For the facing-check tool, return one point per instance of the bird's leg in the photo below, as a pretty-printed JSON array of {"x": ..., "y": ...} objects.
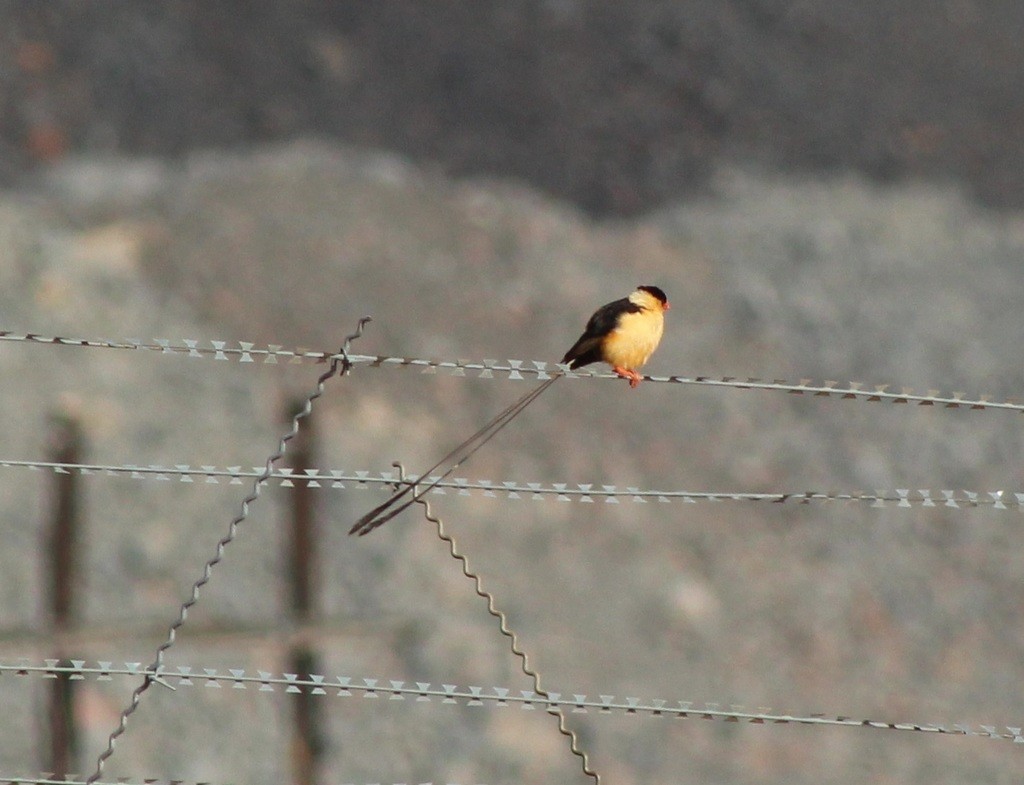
[{"x": 628, "y": 373}]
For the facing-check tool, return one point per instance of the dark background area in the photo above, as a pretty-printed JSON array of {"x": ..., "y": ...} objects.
[{"x": 617, "y": 107}]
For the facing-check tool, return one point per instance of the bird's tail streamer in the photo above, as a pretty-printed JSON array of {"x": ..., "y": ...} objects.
[{"x": 384, "y": 512}]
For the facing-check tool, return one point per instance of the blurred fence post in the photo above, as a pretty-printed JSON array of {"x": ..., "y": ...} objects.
[
  {"x": 308, "y": 742},
  {"x": 65, "y": 445}
]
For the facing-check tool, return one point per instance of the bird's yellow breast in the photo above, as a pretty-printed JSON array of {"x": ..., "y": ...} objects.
[{"x": 634, "y": 340}]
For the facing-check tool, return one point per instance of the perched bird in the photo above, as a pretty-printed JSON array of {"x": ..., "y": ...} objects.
[{"x": 623, "y": 334}]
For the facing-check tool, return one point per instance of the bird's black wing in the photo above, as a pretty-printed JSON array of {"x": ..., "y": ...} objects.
[{"x": 587, "y": 348}]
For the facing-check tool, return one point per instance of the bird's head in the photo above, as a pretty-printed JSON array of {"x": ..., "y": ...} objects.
[{"x": 653, "y": 293}]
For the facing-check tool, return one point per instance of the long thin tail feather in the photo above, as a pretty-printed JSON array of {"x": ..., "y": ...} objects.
[{"x": 383, "y": 513}]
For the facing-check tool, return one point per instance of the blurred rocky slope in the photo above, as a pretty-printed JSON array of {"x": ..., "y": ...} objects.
[
  {"x": 617, "y": 107},
  {"x": 889, "y": 613}
]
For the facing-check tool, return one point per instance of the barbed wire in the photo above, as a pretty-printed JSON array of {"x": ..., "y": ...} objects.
[
  {"x": 151, "y": 676},
  {"x": 555, "y": 703},
  {"x": 475, "y": 696},
  {"x": 251, "y": 352},
  {"x": 517, "y": 490}
]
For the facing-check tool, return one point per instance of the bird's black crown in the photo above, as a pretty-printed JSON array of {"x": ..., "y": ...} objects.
[{"x": 654, "y": 291}]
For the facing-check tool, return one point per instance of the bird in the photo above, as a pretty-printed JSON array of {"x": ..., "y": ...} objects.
[{"x": 623, "y": 333}]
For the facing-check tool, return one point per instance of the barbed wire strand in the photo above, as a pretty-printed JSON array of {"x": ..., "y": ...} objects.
[
  {"x": 524, "y": 658},
  {"x": 249, "y": 352},
  {"x": 474, "y": 696},
  {"x": 515, "y": 370},
  {"x": 327, "y": 479},
  {"x": 152, "y": 675}
]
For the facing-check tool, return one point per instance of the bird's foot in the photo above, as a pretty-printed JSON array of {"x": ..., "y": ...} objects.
[{"x": 628, "y": 373}]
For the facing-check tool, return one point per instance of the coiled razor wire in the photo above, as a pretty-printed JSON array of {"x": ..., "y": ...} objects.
[
  {"x": 151, "y": 675},
  {"x": 250, "y": 352},
  {"x": 451, "y": 694},
  {"x": 537, "y": 491}
]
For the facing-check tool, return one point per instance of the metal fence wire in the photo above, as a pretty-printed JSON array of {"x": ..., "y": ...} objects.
[{"x": 560, "y": 704}]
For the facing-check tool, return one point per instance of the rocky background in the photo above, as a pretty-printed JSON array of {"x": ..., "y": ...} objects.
[
  {"x": 615, "y": 107},
  {"x": 823, "y": 193}
]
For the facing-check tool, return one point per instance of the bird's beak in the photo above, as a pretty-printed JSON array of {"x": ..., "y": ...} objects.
[{"x": 667, "y": 306}]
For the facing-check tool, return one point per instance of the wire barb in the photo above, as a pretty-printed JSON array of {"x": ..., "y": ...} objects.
[
  {"x": 156, "y": 678},
  {"x": 341, "y": 360},
  {"x": 553, "y": 707}
]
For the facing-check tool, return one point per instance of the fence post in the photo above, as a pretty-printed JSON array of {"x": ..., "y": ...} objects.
[
  {"x": 65, "y": 445},
  {"x": 308, "y": 742}
]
